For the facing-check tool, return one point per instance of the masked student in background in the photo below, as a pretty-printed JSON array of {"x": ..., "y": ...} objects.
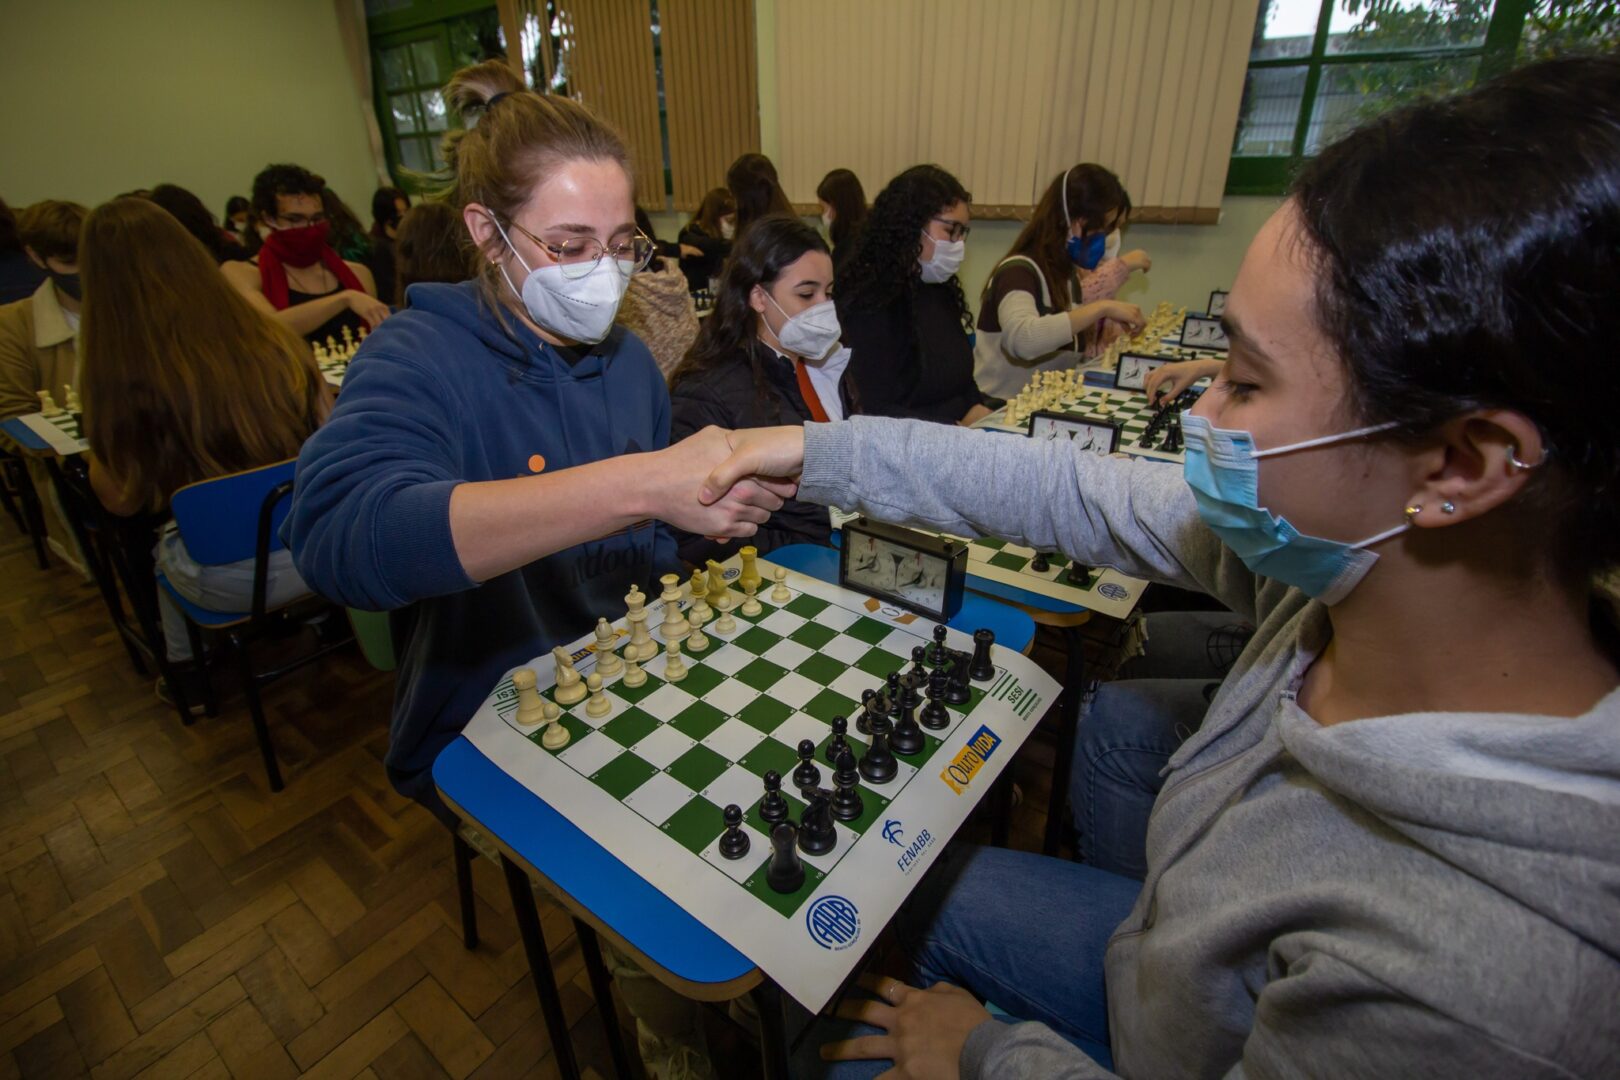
[
  {"x": 296, "y": 276},
  {"x": 768, "y": 354}
]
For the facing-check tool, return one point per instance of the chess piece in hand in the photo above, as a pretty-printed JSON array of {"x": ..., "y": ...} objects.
[{"x": 1164, "y": 384}]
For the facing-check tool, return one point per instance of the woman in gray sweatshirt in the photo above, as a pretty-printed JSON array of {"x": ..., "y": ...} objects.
[{"x": 1393, "y": 847}]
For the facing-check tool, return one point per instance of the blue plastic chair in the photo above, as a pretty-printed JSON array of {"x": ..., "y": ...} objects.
[{"x": 230, "y": 519}]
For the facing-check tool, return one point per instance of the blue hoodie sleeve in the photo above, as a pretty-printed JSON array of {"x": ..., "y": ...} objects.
[{"x": 370, "y": 520}]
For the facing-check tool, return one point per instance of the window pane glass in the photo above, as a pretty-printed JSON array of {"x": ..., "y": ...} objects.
[
  {"x": 426, "y": 55},
  {"x": 416, "y": 154},
  {"x": 432, "y": 110},
  {"x": 404, "y": 116},
  {"x": 1360, "y": 26},
  {"x": 1285, "y": 29},
  {"x": 1352, "y": 93},
  {"x": 396, "y": 67},
  {"x": 1270, "y": 111}
]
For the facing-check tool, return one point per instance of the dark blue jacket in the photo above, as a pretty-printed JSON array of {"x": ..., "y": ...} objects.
[{"x": 441, "y": 395}]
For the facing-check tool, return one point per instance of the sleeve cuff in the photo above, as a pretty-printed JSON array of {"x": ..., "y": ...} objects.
[
  {"x": 829, "y": 462},
  {"x": 981, "y": 1042},
  {"x": 413, "y": 534}
]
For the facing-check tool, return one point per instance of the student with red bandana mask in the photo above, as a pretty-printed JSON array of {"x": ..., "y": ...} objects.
[{"x": 297, "y": 277}]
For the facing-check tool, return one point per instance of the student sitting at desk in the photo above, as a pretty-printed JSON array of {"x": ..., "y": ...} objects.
[{"x": 710, "y": 233}]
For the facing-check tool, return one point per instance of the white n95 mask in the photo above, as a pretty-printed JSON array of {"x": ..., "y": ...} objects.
[
  {"x": 812, "y": 333},
  {"x": 578, "y": 309}
]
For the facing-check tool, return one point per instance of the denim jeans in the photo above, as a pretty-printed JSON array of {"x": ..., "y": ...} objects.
[
  {"x": 227, "y": 587},
  {"x": 1022, "y": 931}
]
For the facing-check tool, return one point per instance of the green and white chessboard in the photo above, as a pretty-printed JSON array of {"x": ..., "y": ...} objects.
[
  {"x": 60, "y": 432},
  {"x": 333, "y": 370},
  {"x": 1128, "y": 409},
  {"x": 649, "y": 780}
]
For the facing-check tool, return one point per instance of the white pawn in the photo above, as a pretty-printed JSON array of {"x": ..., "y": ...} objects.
[
  {"x": 70, "y": 398},
  {"x": 750, "y": 605},
  {"x": 674, "y": 669},
  {"x": 570, "y": 688},
  {"x": 599, "y": 705},
  {"x": 607, "y": 661},
  {"x": 321, "y": 355},
  {"x": 633, "y": 675},
  {"x": 48, "y": 405},
  {"x": 725, "y": 624},
  {"x": 555, "y": 736},
  {"x": 780, "y": 594},
  {"x": 531, "y": 706}
]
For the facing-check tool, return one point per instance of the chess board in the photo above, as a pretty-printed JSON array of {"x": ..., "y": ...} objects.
[
  {"x": 1107, "y": 591},
  {"x": 333, "y": 370},
  {"x": 650, "y": 779},
  {"x": 1128, "y": 409},
  {"x": 60, "y": 432}
]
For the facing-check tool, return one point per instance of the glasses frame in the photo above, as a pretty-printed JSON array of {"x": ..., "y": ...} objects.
[
  {"x": 951, "y": 226},
  {"x": 583, "y": 268}
]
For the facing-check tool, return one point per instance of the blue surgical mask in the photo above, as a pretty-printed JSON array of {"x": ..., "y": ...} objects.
[
  {"x": 1087, "y": 251},
  {"x": 1222, "y": 468}
]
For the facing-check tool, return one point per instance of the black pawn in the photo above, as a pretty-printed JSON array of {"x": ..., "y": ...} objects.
[
  {"x": 838, "y": 744},
  {"x": 936, "y": 652},
  {"x": 816, "y": 833},
  {"x": 908, "y": 737},
  {"x": 919, "y": 656},
  {"x": 733, "y": 842},
  {"x": 1079, "y": 576},
  {"x": 983, "y": 668},
  {"x": 846, "y": 801},
  {"x": 806, "y": 775},
  {"x": 785, "y": 874},
  {"x": 934, "y": 715},
  {"x": 773, "y": 809},
  {"x": 879, "y": 766},
  {"x": 1039, "y": 563},
  {"x": 892, "y": 694},
  {"x": 909, "y": 696},
  {"x": 863, "y": 722}
]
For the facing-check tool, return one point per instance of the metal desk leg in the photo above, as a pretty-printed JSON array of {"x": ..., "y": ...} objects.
[
  {"x": 33, "y": 512},
  {"x": 1074, "y": 689},
  {"x": 602, "y": 989},
  {"x": 772, "y": 1030},
  {"x": 545, "y": 983}
]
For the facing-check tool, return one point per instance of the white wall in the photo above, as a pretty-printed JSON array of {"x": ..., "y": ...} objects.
[{"x": 105, "y": 97}]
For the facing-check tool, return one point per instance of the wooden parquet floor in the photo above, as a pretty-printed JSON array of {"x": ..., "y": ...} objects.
[{"x": 162, "y": 914}]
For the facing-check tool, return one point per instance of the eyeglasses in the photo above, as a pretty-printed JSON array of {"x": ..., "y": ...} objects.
[
  {"x": 298, "y": 221},
  {"x": 954, "y": 230},
  {"x": 579, "y": 255}
]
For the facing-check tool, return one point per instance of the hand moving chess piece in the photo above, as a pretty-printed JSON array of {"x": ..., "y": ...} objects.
[
  {"x": 570, "y": 688},
  {"x": 607, "y": 661}
]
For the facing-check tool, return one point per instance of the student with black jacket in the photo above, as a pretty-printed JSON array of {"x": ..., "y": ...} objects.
[
  {"x": 709, "y": 232},
  {"x": 768, "y": 355}
]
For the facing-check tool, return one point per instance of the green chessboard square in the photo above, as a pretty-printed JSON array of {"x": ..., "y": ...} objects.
[
  {"x": 577, "y": 729},
  {"x": 698, "y": 720},
  {"x": 761, "y": 674},
  {"x": 991, "y": 542},
  {"x": 623, "y": 775},
  {"x": 785, "y": 904},
  {"x": 828, "y": 704},
  {"x": 695, "y": 824},
  {"x": 634, "y": 694},
  {"x": 822, "y": 669},
  {"x": 880, "y": 663},
  {"x": 700, "y": 680},
  {"x": 698, "y": 767},
  {"x": 764, "y": 610},
  {"x": 629, "y": 727},
  {"x": 873, "y": 806},
  {"x": 764, "y": 714},
  {"x": 1008, "y": 561},
  {"x": 795, "y": 807},
  {"x": 869, "y": 630},
  {"x": 976, "y": 694},
  {"x": 757, "y": 640},
  {"x": 1058, "y": 561},
  {"x": 768, "y": 755},
  {"x": 807, "y": 606},
  {"x": 812, "y": 635}
]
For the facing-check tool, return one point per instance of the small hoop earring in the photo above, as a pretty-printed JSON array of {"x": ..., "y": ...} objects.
[
  {"x": 1412, "y": 512},
  {"x": 1524, "y": 466},
  {"x": 1448, "y": 507}
]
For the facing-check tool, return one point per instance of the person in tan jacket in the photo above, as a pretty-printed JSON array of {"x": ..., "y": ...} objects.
[{"x": 37, "y": 335}]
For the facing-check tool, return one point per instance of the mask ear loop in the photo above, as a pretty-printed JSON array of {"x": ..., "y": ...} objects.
[{"x": 507, "y": 240}]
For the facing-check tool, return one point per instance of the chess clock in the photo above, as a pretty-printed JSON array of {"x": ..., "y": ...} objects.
[
  {"x": 1217, "y": 303},
  {"x": 912, "y": 570},
  {"x": 1203, "y": 332},
  {"x": 1094, "y": 436},
  {"x": 1133, "y": 369}
]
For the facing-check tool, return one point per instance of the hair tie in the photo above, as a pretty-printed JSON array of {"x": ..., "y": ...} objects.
[{"x": 490, "y": 104}]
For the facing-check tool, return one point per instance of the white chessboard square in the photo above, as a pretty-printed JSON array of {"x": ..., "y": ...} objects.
[
  {"x": 792, "y": 689},
  {"x": 730, "y": 696},
  {"x": 900, "y": 642},
  {"x": 666, "y": 702},
  {"x": 590, "y": 753},
  {"x": 825, "y": 863},
  {"x": 735, "y": 785},
  {"x": 903, "y": 771},
  {"x": 662, "y": 746},
  {"x": 845, "y": 649},
  {"x": 739, "y": 870},
  {"x": 834, "y": 617},
  {"x": 789, "y": 654},
  {"x": 782, "y": 622},
  {"x": 799, "y": 726},
  {"x": 659, "y": 797},
  {"x": 853, "y": 681},
  {"x": 733, "y": 740},
  {"x": 730, "y": 660}
]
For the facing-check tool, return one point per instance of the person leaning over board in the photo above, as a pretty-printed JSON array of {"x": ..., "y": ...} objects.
[
  {"x": 1393, "y": 847},
  {"x": 1044, "y": 301},
  {"x": 710, "y": 233},
  {"x": 768, "y": 354},
  {"x": 901, "y": 304},
  {"x": 498, "y": 464}
]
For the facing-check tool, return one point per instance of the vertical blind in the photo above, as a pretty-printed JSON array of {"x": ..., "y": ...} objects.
[
  {"x": 1006, "y": 96},
  {"x": 610, "y": 70},
  {"x": 711, "y": 91}
]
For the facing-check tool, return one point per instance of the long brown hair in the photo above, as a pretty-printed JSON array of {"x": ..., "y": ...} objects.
[
  {"x": 715, "y": 205},
  {"x": 753, "y": 183},
  {"x": 1094, "y": 194},
  {"x": 183, "y": 379}
]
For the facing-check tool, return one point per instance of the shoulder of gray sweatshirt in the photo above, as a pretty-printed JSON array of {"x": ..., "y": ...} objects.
[{"x": 1430, "y": 894}]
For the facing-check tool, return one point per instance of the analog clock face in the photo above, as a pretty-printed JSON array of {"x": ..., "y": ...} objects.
[
  {"x": 1092, "y": 438},
  {"x": 1133, "y": 371},
  {"x": 884, "y": 567},
  {"x": 1203, "y": 333}
]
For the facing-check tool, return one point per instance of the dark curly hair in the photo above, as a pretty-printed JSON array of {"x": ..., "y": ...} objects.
[
  {"x": 884, "y": 268},
  {"x": 276, "y": 180}
]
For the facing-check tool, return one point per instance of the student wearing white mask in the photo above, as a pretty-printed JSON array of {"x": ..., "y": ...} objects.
[
  {"x": 902, "y": 307},
  {"x": 1045, "y": 304},
  {"x": 768, "y": 354}
]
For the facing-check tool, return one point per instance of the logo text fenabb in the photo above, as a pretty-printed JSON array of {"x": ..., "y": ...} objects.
[{"x": 967, "y": 763}]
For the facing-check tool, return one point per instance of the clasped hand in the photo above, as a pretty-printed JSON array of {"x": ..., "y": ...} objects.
[{"x": 724, "y": 484}]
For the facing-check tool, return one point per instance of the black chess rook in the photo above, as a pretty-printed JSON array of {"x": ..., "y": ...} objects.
[
  {"x": 983, "y": 668},
  {"x": 785, "y": 874}
]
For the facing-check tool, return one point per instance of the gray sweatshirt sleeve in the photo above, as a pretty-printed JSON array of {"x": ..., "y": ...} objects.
[
  {"x": 995, "y": 1049},
  {"x": 1133, "y": 514}
]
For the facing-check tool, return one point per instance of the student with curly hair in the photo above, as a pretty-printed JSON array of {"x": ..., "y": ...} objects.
[{"x": 902, "y": 307}]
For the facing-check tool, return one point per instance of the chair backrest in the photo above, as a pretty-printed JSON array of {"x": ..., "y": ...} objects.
[{"x": 219, "y": 518}]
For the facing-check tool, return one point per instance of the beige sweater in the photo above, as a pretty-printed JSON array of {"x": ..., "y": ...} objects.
[{"x": 658, "y": 308}]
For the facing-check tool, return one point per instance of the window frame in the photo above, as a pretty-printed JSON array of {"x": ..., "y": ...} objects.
[{"x": 1255, "y": 175}]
